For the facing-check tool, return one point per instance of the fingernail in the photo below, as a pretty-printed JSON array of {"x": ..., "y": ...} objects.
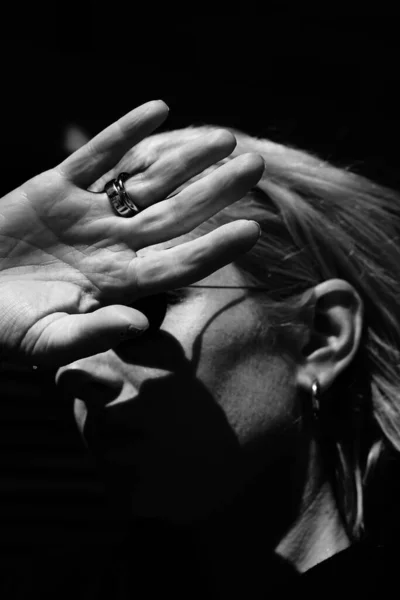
[
  {"x": 132, "y": 332},
  {"x": 259, "y": 228},
  {"x": 163, "y": 101}
]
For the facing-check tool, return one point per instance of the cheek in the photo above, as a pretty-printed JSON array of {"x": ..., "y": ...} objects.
[
  {"x": 266, "y": 396},
  {"x": 256, "y": 390}
]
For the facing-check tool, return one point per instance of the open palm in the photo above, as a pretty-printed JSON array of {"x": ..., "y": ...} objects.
[{"x": 69, "y": 266}]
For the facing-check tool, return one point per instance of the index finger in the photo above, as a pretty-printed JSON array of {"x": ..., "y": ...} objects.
[
  {"x": 106, "y": 149},
  {"x": 190, "y": 261}
]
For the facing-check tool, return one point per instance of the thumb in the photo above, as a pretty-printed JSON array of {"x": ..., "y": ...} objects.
[{"x": 72, "y": 337}]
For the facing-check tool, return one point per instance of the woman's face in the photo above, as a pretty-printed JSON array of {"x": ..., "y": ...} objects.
[{"x": 189, "y": 414}]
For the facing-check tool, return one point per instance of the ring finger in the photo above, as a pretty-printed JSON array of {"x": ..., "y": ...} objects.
[
  {"x": 195, "y": 204},
  {"x": 176, "y": 167}
]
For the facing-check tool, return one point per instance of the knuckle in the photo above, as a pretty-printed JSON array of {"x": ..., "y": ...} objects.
[
  {"x": 138, "y": 188},
  {"x": 91, "y": 149},
  {"x": 176, "y": 213}
]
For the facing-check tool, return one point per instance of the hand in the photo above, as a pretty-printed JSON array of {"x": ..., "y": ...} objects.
[{"x": 68, "y": 264}]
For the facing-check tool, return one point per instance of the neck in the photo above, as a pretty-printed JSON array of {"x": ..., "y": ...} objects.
[
  {"x": 317, "y": 535},
  {"x": 234, "y": 543},
  {"x": 317, "y": 532}
]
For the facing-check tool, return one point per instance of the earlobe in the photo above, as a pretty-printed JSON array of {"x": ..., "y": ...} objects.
[{"x": 335, "y": 334}]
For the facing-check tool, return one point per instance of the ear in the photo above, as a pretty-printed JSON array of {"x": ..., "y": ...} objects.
[{"x": 334, "y": 334}]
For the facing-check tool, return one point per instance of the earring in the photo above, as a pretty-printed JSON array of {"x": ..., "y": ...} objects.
[{"x": 315, "y": 393}]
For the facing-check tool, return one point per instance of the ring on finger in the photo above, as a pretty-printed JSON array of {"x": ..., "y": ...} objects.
[{"x": 120, "y": 200}]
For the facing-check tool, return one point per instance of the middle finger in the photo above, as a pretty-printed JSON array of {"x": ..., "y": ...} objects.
[
  {"x": 177, "y": 166},
  {"x": 195, "y": 204}
]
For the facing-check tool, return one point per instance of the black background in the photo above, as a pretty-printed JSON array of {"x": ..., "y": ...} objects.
[
  {"x": 323, "y": 80},
  {"x": 326, "y": 81}
]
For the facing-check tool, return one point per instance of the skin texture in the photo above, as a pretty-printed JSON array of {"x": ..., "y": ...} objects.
[
  {"x": 68, "y": 264},
  {"x": 192, "y": 400},
  {"x": 200, "y": 422}
]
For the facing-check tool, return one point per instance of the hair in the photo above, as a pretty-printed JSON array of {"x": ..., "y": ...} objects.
[{"x": 320, "y": 222}]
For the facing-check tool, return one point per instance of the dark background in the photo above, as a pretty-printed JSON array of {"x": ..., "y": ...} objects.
[{"x": 325, "y": 81}]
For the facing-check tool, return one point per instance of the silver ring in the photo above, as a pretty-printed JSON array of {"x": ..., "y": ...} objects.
[{"x": 121, "y": 202}]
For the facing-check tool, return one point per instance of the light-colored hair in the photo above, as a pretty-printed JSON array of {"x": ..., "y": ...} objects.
[{"x": 321, "y": 222}]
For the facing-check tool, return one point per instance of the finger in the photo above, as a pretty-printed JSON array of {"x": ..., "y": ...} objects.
[
  {"x": 107, "y": 148},
  {"x": 188, "y": 262},
  {"x": 195, "y": 204},
  {"x": 142, "y": 156},
  {"x": 178, "y": 166},
  {"x": 72, "y": 337}
]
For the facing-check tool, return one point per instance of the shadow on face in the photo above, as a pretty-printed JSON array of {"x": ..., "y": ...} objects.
[
  {"x": 194, "y": 420},
  {"x": 170, "y": 436}
]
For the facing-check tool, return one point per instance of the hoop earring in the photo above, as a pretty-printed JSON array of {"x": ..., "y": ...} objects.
[{"x": 315, "y": 397}]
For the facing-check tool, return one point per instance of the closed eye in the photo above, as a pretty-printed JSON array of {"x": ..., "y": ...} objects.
[
  {"x": 155, "y": 307},
  {"x": 177, "y": 296}
]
